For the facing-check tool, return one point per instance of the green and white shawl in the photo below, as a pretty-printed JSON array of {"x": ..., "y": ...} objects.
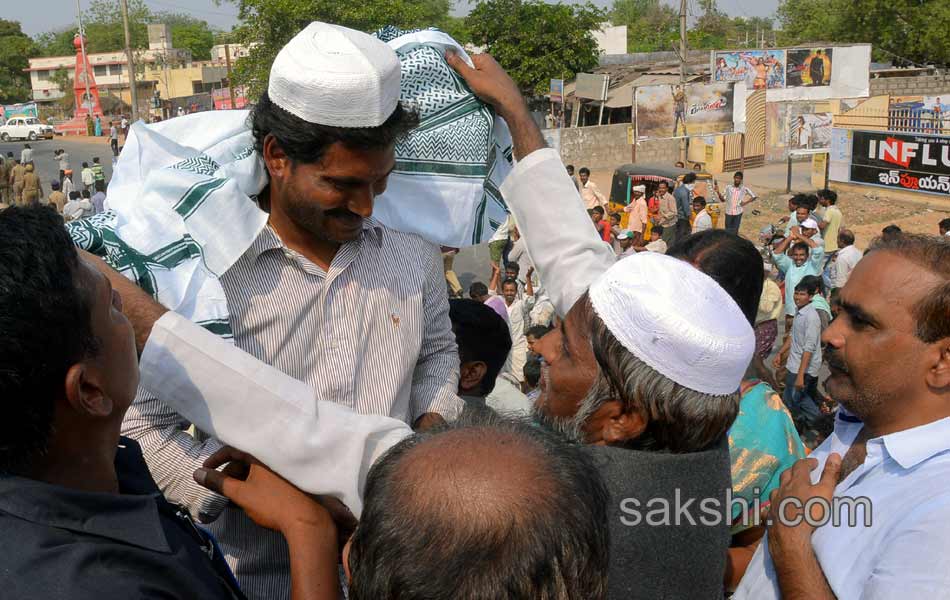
[{"x": 182, "y": 200}]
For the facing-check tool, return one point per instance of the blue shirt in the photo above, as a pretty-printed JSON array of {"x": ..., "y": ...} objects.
[
  {"x": 793, "y": 274},
  {"x": 806, "y": 337},
  {"x": 683, "y": 196}
]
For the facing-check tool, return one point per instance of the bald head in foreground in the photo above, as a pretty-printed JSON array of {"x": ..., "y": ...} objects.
[{"x": 485, "y": 508}]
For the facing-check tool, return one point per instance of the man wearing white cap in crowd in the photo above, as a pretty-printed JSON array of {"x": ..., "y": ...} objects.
[
  {"x": 805, "y": 258},
  {"x": 626, "y": 240},
  {"x": 638, "y": 213},
  {"x": 325, "y": 293}
]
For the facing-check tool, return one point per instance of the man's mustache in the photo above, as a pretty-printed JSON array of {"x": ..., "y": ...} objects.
[{"x": 835, "y": 361}]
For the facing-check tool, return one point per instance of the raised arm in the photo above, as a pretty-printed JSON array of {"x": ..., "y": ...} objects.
[{"x": 560, "y": 237}]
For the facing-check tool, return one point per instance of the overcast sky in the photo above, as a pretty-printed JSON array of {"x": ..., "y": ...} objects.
[{"x": 57, "y": 14}]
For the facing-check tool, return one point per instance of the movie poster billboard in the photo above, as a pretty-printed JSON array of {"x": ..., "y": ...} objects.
[
  {"x": 808, "y": 67},
  {"x": 673, "y": 111},
  {"x": 27, "y": 109},
  {"x": 808, "y": 130},
  {"x": 922, "y": 114},
  {"x": 906, "y": 161},
  {"x": 759, "y": 69}
]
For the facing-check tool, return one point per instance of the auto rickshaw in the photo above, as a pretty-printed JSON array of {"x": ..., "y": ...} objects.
[{"x": 650, "y": 176}]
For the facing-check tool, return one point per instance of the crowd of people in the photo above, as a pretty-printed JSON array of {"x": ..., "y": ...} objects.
[
  {"x": 21, "y": 185},
  {"x": 597, "y": 421}
]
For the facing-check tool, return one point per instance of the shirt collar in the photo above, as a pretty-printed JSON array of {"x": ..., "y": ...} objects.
[
  {"x": 131, "y": 518},
  {"x": 269, "y": 240},
  {"x": 913, "y": 446}
]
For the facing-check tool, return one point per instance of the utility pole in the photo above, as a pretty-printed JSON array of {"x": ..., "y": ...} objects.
[
  {"x": 129, "y": 62},
  {"x": 683, "y": 68},
  {"x": 227, "y": 64}
]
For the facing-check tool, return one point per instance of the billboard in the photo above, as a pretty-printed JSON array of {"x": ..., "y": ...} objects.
[
  {"x": 27, "y": 109},
  {"x": 759, "y": 69},
  {"x": 808, "y": 67},
  {"x": 918, "y": 163},
  {"x": 557, "y": 90},
  {"x": 808, "y": 130},
  {"x": 671, "y": 111},
  {"x": 591, "y": 86}
]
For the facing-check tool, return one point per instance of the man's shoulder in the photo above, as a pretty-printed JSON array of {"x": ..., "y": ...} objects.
[{"x": 402, "y": 241}]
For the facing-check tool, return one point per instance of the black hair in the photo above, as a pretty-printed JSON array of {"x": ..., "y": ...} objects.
[
  {"x": 598, "y": 209},
  {"x": 807, "y": 200},
  {"x": 305, "y": 142},
  {"x": 584, "y": 171},
  {"x": 615, "y": 215},
  {"x": 658, "y": 229},
  {"x": 550, "y": 541},
  {"x": 95, "y": 159},
  {"x": 513, "y": 266},
  {"x": 532, "y": 371},
  {"x": 891, "y": 231},
  {"x": 810, "y": 284},
  {"x": 45, "y": 325},
  {"x": 944, "y": 224},
  {"x": 569, "y": 167},
  {"x": 689, "y": 177},
  {"x": 800, "y": 246},
  {"x": 74, "y": 195},
  {"x": 85, "y": 165},
  {"x": 85, "y": 194},
  {"x": 732, "y": 261},
  {"x": 846, "y": 236},
  {"x": 698, "y": 200},
  {"x": 739, "y": 175},
  {"x": 509, "y": 281},
  {"x": 538, "y": 331},
  {"x": 100, "y": 185},
  {"x": 54, "y": 185},
  {"x": 478, "y": 289},
  {"x": 830, "y": 195},
  {"x": 481, "y": 335},
  {"x": 10, "y": 154}
]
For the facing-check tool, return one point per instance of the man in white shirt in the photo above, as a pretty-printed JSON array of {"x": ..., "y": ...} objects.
[
  {"x": 656, "y": 243},
  {"x": 702, "y": 221},
  {"x": 638, "y": 213},
  {"x": 889, "y": 356},
  {"x": 590, "y": 193},
  {"x": 26, "y": 155},
  {"x": 626, "y": 241},
  {"x": 845, "y": 260},
  {"x": 736, "y": 197}
]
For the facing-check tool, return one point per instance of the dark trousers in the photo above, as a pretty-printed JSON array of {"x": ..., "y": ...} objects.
[
  {"x": 115, "y": 147},
  {"x": 732, "y": 223},
  {"x": 801, "y": 403},
  {"x": 683, "y": 229}
]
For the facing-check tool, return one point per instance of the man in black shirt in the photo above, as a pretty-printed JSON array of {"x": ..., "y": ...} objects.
[{"x": 80, "y": 514}]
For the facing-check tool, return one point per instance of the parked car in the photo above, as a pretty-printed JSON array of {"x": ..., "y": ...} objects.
[{"x": 24, "y": 128}]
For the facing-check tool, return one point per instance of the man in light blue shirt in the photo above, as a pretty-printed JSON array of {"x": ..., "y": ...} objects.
[
  {"x": 805, "y": 258},
  {"x": 804, "y": 357},
  {"x": 889, "y": 355}
]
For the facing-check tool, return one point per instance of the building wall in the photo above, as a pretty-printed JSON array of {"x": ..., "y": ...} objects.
[
  {"x": 611, "y": 40},
  {"x": 181, "y": 79},
  {"x": 606, "y": 147},
  {"x": 930, "y": 85}
]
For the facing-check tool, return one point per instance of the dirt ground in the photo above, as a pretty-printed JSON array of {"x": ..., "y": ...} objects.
[{"x": 864, "y": 213}]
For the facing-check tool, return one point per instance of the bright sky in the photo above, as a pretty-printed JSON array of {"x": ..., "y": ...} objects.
[{"x": 57, "y": 14}]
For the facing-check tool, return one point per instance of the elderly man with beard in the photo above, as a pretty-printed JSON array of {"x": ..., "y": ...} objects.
[{"x": 889, "y": 354}]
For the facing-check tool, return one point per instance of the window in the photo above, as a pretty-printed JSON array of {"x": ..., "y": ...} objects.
[
  {"x": 115, "y": 70},
  {"x": 100, "y": 70},
  {"x": 42, "y": 75}
]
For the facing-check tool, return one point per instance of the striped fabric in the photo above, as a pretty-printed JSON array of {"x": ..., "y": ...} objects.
[{"x": 373, "y": 333}]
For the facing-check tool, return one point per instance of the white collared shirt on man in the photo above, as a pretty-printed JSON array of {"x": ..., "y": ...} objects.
[{"x": 905, "y": 553}]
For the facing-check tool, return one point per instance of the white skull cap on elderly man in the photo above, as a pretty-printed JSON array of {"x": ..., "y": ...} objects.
[
  {"x": 677, "y": 320},
  {"x": 331, "y": 75}
]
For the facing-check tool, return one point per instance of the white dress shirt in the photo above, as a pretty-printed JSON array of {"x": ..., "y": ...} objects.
[
  {"x": 905, "y": 553},
  {"x": 845, "y": 261},
  {"x": 319, "y": 446},
  {"x": 702, "y": 222}
]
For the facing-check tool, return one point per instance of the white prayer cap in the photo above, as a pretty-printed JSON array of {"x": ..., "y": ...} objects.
[
  {"x": 809, "y": 223},
  {"x": 625, "y": 235},
  {"x": 331, "y": 75},
  {"x": 677, "y": 320},
  {"x": 640, "y": 188}
]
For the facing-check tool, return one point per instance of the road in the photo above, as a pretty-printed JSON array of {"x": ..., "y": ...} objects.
[{"x": 80, "y": 149}]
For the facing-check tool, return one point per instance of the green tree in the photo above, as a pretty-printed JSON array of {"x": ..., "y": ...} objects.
[
  {"x": 55, "y": 43},
  {"x": 188, "y": 33},
  {"x": 15, "y": 47},
  {"x": 916, "y": 31},
  {"x": 62, "y": 80},
  {"x": 535, "y": 41},
  {"x": 651, "y": 25},
  {"x": 267, "y": 25}
]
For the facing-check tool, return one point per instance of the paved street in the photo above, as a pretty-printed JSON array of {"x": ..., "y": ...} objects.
[{"x": 80, "y": 149}]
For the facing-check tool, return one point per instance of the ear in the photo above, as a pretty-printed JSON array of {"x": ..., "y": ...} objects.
[
  {"x": 85, "y": 391},
  {"x": 277, "y": 161},
  {"x": 938, "y": 375},
  {"x": 471, "y": 374},
  {"x": 611, "y": 424},
  {"x": 346, "y": 560}
]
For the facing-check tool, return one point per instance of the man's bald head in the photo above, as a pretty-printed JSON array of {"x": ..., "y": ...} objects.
[{"x": 486, "y": 508}]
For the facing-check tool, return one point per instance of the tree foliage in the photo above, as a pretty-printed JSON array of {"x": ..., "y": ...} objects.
[
  {"x": 915, "y": 31},
  {"x": 105, "y": 32},
  {"x": 535, "y": 41},
  {"x": 15, "y": 47},
  {"x": 267, "y": 25}
]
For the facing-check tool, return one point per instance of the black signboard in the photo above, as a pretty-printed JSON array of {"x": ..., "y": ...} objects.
[{"x": 919, "y": 163}]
